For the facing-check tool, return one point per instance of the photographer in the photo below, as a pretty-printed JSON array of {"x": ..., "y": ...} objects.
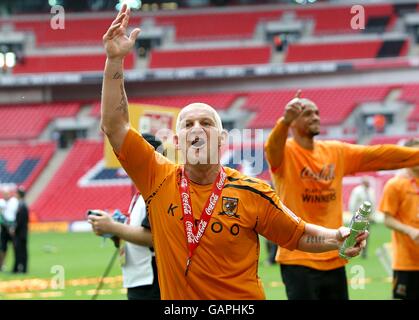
[{"x": 138, "y": 262}]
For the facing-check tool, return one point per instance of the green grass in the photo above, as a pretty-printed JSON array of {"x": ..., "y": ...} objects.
[{"x": 85, "y": 256}]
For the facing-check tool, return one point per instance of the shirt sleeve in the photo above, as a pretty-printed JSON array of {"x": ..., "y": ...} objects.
[
  {"x": 378, "y": 157},
  {"x": 143, "y": 164},
  {"x": 389, "y": 203},
  {"x": 278, "y": 223},
  {"x": 146, "y": 223},
  {"x": 275, "y": 145}
]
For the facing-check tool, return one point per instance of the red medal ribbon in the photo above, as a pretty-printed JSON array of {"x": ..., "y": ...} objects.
[{"x": 193, "y": 234}]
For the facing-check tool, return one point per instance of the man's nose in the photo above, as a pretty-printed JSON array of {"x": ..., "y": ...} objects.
[{"x": 196, "y": 125}]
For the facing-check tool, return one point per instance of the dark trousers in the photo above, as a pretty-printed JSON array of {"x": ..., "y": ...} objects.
[
  {"x": 406, "y": 285},
  {"x": 303, "y": 283},
  {"x": 147, "y": 292},
  {"x": 21, "y": 253}
]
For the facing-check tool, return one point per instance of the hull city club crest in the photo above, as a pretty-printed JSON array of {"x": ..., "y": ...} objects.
[{"x": 230, "y": 206}]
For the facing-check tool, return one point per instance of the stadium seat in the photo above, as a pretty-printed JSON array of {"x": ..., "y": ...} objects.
[
  {"x": 217, "y": 25},
  {"x": 66, "y": 63},
  {"x": 219, "y": 101},
  {"x": 21, "y": 164},
  {"x": 67, "y": 197},
  {"x": 378, "y": 17},
  {"x": 28, "y": 121},
  {"x": 328, "y": 51},
  {"x": 210, "y": 57},
  {"x": 334, "y": 104},
  {"x": 77, "y": 30}
]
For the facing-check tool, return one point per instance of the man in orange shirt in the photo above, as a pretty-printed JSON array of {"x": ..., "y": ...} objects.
[
  {"x": 307, "y": 175},
  {"x": 400, "y": 204},
  {"x": 205, "y": 218}
]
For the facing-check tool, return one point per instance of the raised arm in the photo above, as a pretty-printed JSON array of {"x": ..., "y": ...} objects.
[
  {"x": 379, "y": 157},
  {"x": 275, "y": 144},
  {"x": 114, "y": 106}
]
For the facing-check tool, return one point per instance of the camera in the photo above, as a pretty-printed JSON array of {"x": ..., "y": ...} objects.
[{"x": 116, "y": 216}]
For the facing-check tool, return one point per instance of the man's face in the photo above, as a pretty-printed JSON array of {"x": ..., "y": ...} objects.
[
  {"x": 308, "y": 122},
  {"x": 6, "y": 195},
  {"x": 366, "y": 183},
  {"x": 199, "y": 137}
]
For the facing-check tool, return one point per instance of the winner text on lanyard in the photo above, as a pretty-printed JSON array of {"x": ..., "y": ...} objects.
[{"x": 193, "y": 234}]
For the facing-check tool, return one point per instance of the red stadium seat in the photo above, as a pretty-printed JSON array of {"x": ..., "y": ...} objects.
[
  {"x": 21, "y": 164},
  {"x": 362, "y": 49},
  {"x": 65, "y": 200},
  {"x": 342, "y": 16},
  {"x": 210, "y": 57},
  {"x": 28, "y": 121},
  {"x": 219, "y": 101},
  {"x": 216, "y": 26},
  {"x": 334, "y": 104},
  {"x": 67, "y": 63}
]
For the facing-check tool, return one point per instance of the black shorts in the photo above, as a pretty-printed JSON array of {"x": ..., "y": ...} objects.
[
  {"x": 147, "y": 292},
  {"x": 5, "y": 238},
  {"x": 406, "y": 285},
  {"x": 303, "y": 283}
]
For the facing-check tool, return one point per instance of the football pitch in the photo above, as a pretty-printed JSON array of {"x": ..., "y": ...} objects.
[{"x": 69, "y": 266}]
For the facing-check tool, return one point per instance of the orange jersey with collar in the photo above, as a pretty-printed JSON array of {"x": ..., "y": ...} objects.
[
  {"x": 310, "y": 183},
  {"x": 401, "y": 200},
  {"x": 225, "y": 264}
]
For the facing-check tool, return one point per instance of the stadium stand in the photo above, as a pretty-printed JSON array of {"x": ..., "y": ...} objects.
[
  {"x": 393, "y": 139},
  {"x": 21, "y": 164},
  {"x": 338, "y": 50},
  {"x": 379, "y": 17},
  {"x": 77, "y": 31},
  {"x": 334, "y": 104},
  {"x": 210, "y": 57},
  {"x": 220, "y": 101},
  {"x": 201, "y": 26},
  {"x": 67, "y": 199},
  {"x": 27, "y": 121},
  {"x": 66, "y": 63}
]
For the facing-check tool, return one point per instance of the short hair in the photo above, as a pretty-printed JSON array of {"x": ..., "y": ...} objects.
[
  {"x": 153, "y": 140},
  {"x": 215, "y": 114},
  {"x": 21, "y": 192},
  {"x": 411, "y": 142}
]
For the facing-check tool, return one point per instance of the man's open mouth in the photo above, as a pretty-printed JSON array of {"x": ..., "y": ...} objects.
[{"x": 198, "y": 142}]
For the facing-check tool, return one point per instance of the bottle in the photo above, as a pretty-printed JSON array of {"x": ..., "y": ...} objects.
[{"x": 359, "y": 224}]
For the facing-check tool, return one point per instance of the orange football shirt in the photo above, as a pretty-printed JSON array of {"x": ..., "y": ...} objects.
[
  {"x": 310, "y": 182},
  {"x": 401, "y": 200},
  {"x": 225, "y": 265}
]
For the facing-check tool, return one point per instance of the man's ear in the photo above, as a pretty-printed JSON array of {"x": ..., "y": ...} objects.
[
  {"x": 223, "y": 138},
  {"x": 176, "y": 142}
]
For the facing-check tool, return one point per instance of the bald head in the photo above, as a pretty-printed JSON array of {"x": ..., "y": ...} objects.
[
  {"x": 308, "y": 103},
  {"x": 197, "y": 107}
]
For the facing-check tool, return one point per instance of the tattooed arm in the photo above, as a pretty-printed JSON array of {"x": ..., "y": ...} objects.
[
  {"x": 114, "y": 106},
  {"x": 319, "y": 239}
]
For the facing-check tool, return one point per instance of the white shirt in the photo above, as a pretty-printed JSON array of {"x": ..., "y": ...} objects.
[
  {"x": 360, "y": 194},
  {"x": 9, "y": 209},
  {"x": 137, "y": 270}
]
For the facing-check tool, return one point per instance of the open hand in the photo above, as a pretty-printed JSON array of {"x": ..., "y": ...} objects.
[{"x": 117, "y": 44}]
